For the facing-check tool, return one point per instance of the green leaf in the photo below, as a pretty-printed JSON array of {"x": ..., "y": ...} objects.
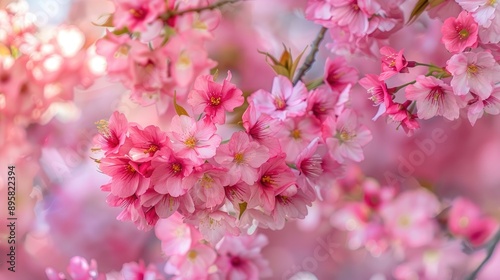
[
  {"x": 178, "y": 108},
  {"x": 296, "y": 63},
  {"x": 243, "y": 207}
]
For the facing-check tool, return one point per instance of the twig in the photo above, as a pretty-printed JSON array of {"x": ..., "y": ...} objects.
[
  {"x": 311, "y": 56},
  {"x": 489, "y": 249},
  {"x": 213, "y": 6}
]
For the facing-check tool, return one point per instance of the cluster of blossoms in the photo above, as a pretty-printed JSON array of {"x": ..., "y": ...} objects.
[
  {"x": 156, "y": 48},
  {"x": 357, "y": 26},
  {"x": 433, "y": 238},
  {"x": 38, "y": 70}
]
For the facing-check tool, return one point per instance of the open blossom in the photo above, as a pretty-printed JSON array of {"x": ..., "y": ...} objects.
[
  {"x": 379, "y": 93},
  {"x": 139, "y": 271},
  {"x": 345, "y": 137},
  {"x": 323, "y": 102},
  {"x": 392, "y": 63},
  {"x": 174, "y": 234},
  {"x": 128, "y": 177},
  {"x": 296, "y": 134},
  {"x": 285, "y": 99},
  {"x": 475, "y": 72},
  {"x": 194, "y": 140},
  {"x": 169, "y": 173},
  {"x": 208, "y": 190},
  {"x": 146, "y": 142},
  {"x": 262, "y": 128},
  {"x": 483, "y": 11},
  {"x": 214, "y": 99},
  {"x": 192, "y": 265},
  {"x": 242, "y": 157},
  {"x": 460, "y": 33},
  {"x": 78, "y": 268},
  {"x": 214, "y": 225},
  {"x": 466, "y": 220},
  {"x": 136, "y": 15},
  {"x": 490, "y": 105},
  {"x": 434, "y": 98},
  {"x": 338, "y": 74},
  {"x": 112, "y": 133}
]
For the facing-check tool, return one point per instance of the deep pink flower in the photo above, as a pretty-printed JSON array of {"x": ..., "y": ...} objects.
[
  {"x": 146, "y": 142},
  {"x": 137, "y": 14},
  {"x": 379, "y": 93},
  {"x": 242, "y": 157},
  {"x": 139, "y": 271},
  {"x": 262, "y": 128},
  {"x": 128, "y": 177},
  {"x": 460, "y": 33},
  {"x": 392, "y": 63},
  {"x": 112, "y": 133},
  {"x": 215, "y": 99},
  {"x": 285, "y": 99},
  {"x": 345, "y": 137},
  {"x": 338, "y": 74},
  {"x": 475, "y": 72},
  {"x": 323, "y": 102},
  {"x": 434, "y": 98},
  {"x": 169, "y": 172},
  {"x": 193, "y": 140},
  {"x": 399, "y": 113}
]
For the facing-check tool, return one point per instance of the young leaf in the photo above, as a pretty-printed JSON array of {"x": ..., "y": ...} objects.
[{"x": 178, "y": 108}]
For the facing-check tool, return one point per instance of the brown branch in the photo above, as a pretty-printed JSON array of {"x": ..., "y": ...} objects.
[
  {"x": 311, "y": 56},
  {"x": 489, "y": 249},
  {"x": 213, "y": 6}
]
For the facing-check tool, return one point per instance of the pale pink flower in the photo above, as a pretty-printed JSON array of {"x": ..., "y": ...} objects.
[
  {"x": 165, "y": 205},
  {"x": 434, "y": 98},
  {"x": 139, "y": 271},
  {"x": 214, "y": 225},
  {"x": 193, "y": 140},
  {"x": 466, "y": 220},
  {"x": 392, "y": 63},
  {"x": 192, "y": 265},
  {"x": 215, "y": 99},
  {"x": 491, "y": 34},
  {"x": 290, "y": 204},
  {"x": 296, "y": 134},
  {"x": 127, "y": 176},
  {"x": 460, "y": 33},
  {"x": 112, "y": 133},
  {"x": 78, "y": 269},
  {"x": 323, "y": 102},
  {"x": 137, "y": 14},
  {"x": 208, "y": 190},
  {"x": 262, "y": 128},
  {"x": 274, "y": 177},
  {"x": 338, "y": 74},
  {"x": 483, "y": 11},
  {"x": 475, "y": 72},
  {"x": 410, "y": 217},
  {"x": 242, "y": 157},
  {"x": 169, "y": 172},
  {"x": 174, "y": 234},
  {"x": 308, "y": 162},
  {"x": 285, "y": 99},
  {"x": 345, "y": 138},
  {"x": 132, "y": 209},
  {"x": 240, "y": 258},
  {"x": 490, "y": 105}
]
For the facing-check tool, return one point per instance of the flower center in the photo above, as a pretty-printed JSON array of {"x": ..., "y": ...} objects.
[
  {"x": 206, "y": 181},
  {"x": 463, "y": 34},
  {"x": 463, "y": 222},
  {"x": 345, "y": 136},
  {"x": 472, "y": 69},
  {"x": 122, "y": 51},
  {"x": 151, "y": 150},
  {"x": 295, "y": 134},
  {"x": 279, "y": 103},
  {"x": 404, "y": 221},
  {"x": 266, "y": 180},
  {"x": 192, "y": 255},
  {"x": 129, "y": 168},
  {"x": 190, "y": 142},
  {"x": 137, "y": 13},
  {"x": 492, "y": 2},
  {"x": 214, "y": 101},
  {"x": 103, "y": 128},
  {"x": 239, "y": 158},
  {"x": 176, "y": 167}
]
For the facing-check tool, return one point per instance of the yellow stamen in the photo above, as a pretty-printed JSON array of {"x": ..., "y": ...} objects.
[
  {"x": 176, "y": 167},
  {"x": 214, "y": 101},
  {"x": 190, "y": 142},
  {"x": 295, "y": 134},
  {"x": 239, "y": 158}
]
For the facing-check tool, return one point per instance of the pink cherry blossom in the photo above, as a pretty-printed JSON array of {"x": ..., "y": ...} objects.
[
  {"x": 165, "y": 205},
  {"x": 345, "y": 137},
  {"x": 379, "y": 93},
  {"x": 128, "y": 177},
  {"x": 209, "y": 187},
  {"x": 460, "y": 33},
  {"x": 137, "y": 14},
  {"x": 473, "y": 72},
  {"x": 262, "y": 128},
  {"x": 174, "y": 234},
  {"x": 139, "y": 271},
  {"x": 193, "y": 140},
  {"x": 192, "y": 265},
  {"x": 214, "y": 99},
  {"x": 242, "y": 157},
  {"x": 490, "y": 105},
  {"x": 214, "y": 225},
  {"x": 78, "y": 269},
  {"x": 146, "y": 142},
  {"x": 483, "y": 11},
  {"x": 285, "y": 99},
  {"x": 169, "y": 172},
  {"x": 112, "y": 133},
  {"x": 434, "y": 98},
  {"x": 323, "y": 102},
  {"x": 338, "y": 75},
  {"x": 392, "y": 63},
  {"x": 296, "y": 134}
]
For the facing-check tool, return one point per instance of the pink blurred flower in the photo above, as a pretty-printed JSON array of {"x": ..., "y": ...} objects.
[
  {"x": 490, "y": 105},
  {"x": 338, "y": 74},
  {"x": 410, "y": 217},
  {"x": 392, "y": 63},
  {"x": 242, "y": 157},
  {"x": 214, "y": 225},
  {"x": 193, "y": 140},
  {"x": 78, "y": 269},
  {"x": 174, "y": 234},
  {"x": 434, "y": 98},
  {"x": 460, "y": 33},
  {"x": 240, "y": 258},
  {"x": 139, "y": 271},
  {"x": 475, "y": 72},
  {"x": 192, "y": 265},
  {"x": 215, "y": 99},
  {"x": 137, "y": 14},
  {"x": 345, "y": 137},
  {"x": 285, "y": 99},
  {"x": 466, "y": 220}
]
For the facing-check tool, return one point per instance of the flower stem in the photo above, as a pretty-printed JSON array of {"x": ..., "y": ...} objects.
[
  {"x": 489, "y": 249},
  {"x": 404, "y": 85},
  {"x": 424, "y": 64},
  {"x": 311, "y": 56},
  {"x": 213, "y": 6}
]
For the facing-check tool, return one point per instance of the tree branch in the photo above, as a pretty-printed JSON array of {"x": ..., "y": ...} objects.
[
  {"x": 489, "y": 249},
  {"x": 213, "y": 6},
  {"x": 311, "y": 56}
]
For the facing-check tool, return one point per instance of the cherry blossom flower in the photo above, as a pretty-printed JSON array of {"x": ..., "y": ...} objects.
[
  {"x": 112, "y": 133},
  {"x": 434, "y": 98},
  {"x": 490, "y": 105},
  {"x": 139, "y": 271},
  {"x": 475, "y": 72},
  {"x": 193, "y": 140},
  {"x": 214, "y": 99},
  {"x": 296, "y": 134},
  {"x": 137, "y": 14},
  {"x": 169, "y": 172},
  {"x": 323, "y": 102},
  {"x": 209, "y": 187},
  {"x": 460, "y": 33},
  {"x": 483, "y": 11},
  {"x": 392, "y": 63},
  {"x": 174, "y": 234},
  {"x": 345, "y": 137},
  {"x": 338, "y": 75},
  {"x": 242, "y": 157},
  {"x": 192, "y": 265},
  {"x": 262, "y": 128},
  {"x": 285, "y": 100},
  {"x": 78, "y": 268},
  {"x": 146, "y": 142},
  {"x": 128, "y": 177},
  {"x": 379, "y": 93},
  {"x": 214, "y": 225}
]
